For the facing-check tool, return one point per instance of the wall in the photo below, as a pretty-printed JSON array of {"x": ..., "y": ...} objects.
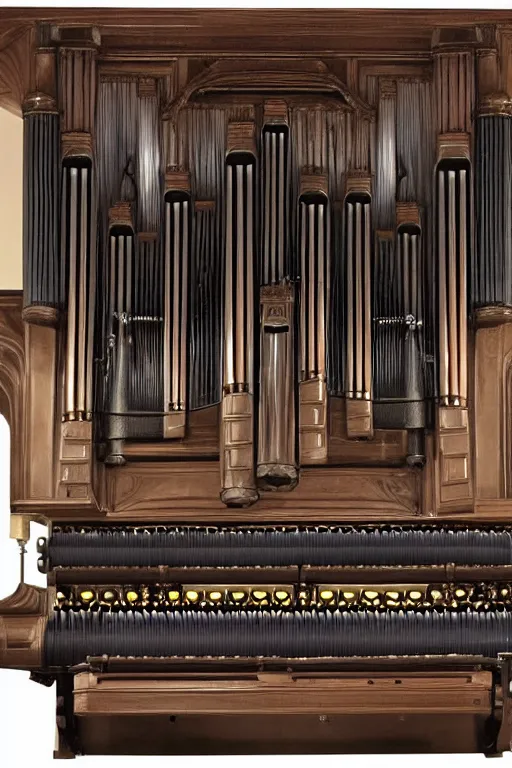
[{"x": 11, "y": 200}]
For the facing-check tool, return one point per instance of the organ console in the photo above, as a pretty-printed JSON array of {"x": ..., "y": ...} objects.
[{"x": 259, "y": 379}]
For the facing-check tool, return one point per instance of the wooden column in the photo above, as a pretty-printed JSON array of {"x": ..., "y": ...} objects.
[
  {"x": 492, "y": 279},
  {"x": 77, "y": 78},
  {"x": 42, "y": 273}
]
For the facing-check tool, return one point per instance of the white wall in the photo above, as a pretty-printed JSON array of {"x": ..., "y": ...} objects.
[{"x": 11, "y": 200}]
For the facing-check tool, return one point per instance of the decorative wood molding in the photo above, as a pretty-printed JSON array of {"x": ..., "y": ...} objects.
[
  {"x": 12, "y": 385},
  {"x": 489, "y": 317},
  {"x": 454, "y": 145},
  {"x": 40, "y": 314},
  {"x": 386, "y": 447},
  {"x": 75, "y": 461},
  {"x": 454, "y": 484},
  {"x": 38, "y": 103},
  {"x": 241, "y": 137},
  {"x": 120, "y": 215},
  {"x": 76, "y": 144},
  {"x": 146, "y": 88},
  {"x": 493, "y": 447},
  {"x": 26, "y": 600},
  {"x": 276, "y": 693},
  {"x": 177, "y": 180},
  {"x": 313, "y": 433},
  {"x": 359, "y": 418},
  {"x": 40, "y": 409},
  {"x": 275, "y": 112},
  {"x": 358, "y": 183},
  {"x": 16, "y": 74},
  {"x": 495, "y": 104},
  {"x": 23, "y": 618},
  {"x": 407, "y": 213},
  {"x": 237, "y": 471},
  {"x": 163, "y": 491},
  {"x": 313, "y": 182},
  {"x": 345, "y": 33},
  {"x": 237, "y": 75}
]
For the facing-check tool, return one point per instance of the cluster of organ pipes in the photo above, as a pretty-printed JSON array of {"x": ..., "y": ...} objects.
[
  {"x": 120, "y": 313},
  {"x": 77, "y": 239},
  {"x": 266, "y": 297},
  {"x": 398, "y": 346},
  {"x": 453, "y": 216}
]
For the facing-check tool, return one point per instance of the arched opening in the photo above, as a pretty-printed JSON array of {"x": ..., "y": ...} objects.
[{"x": 9, "y": 551}]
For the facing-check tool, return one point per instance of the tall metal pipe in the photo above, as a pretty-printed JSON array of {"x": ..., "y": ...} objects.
[
  {"x": 78, "y": 241},
  {"x": 314, "y": 244},
  {"x": 178, "y": 226},
  {"x": 42, "y": 265},
  {"x": 277, "y": 438},
  {"x": 491, "y": 287},
  {"x": 409, "y": 235},
  {"x": 121, "y": 242},
  {"x": 357, "y": 245},
  {"x": 277, "y": 465},
  {"x": 453, "y": 216},
  {"x": 237, "y": 429}
]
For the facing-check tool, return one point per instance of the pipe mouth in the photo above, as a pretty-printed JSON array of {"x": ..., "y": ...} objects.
[
  {"x": 277, "y": 477},
  {"x": 115, "y": 460},
  {"x": 415, "y": 460},
  {"x": 239, "y": 497}
]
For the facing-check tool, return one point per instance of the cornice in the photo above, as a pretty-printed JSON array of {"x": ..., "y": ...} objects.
[{"x": 161, "y": 34}]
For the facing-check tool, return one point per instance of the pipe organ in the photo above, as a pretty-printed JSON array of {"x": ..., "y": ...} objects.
[{"x": 259, "y": 379}]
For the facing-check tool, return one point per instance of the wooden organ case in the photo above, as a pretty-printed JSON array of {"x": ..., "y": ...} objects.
[{"x": 259, "y": 382}]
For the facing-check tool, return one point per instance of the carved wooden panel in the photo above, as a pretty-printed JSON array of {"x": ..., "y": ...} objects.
[
  {"x": 454, "y": 481},
  {"x": 489, "y": 428},
  {"x": 385, "y": 447},
  {"x": 40, "y": 407},
  {"x": 12, "y": 386},
  {"x": 190, "y": 491},
  {"x": 75, "y": 460}
]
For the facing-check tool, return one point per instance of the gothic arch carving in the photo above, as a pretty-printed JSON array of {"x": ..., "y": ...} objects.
[
  {"x": 267, "y": 75},
  {"x": 12, "y": 383}
]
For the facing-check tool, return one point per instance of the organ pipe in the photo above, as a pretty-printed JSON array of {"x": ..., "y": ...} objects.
[
  {"x": 357, "y": 246},
  {"x": 277, "y": 469},
  {"x": 206, "y": 308},
  {"x": 453, "y": 224},
  {"x": 275, "y": 181},
  {"x": 237, "y": 430},
  {"x": 492, "y": 264},
  {"x": 314, "y": 246},
  {"x": 410, "y": 264},
  {"x": 399, "y": 396},
  {"x": 121, "y": 269},
  {"x": 178, "y": 223},
  {"x": 78, "y": 238},
  {"x": 277, "y": 466},
  {"x": 42, "y": 268},
  {"x": 145, "y": 366}
]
